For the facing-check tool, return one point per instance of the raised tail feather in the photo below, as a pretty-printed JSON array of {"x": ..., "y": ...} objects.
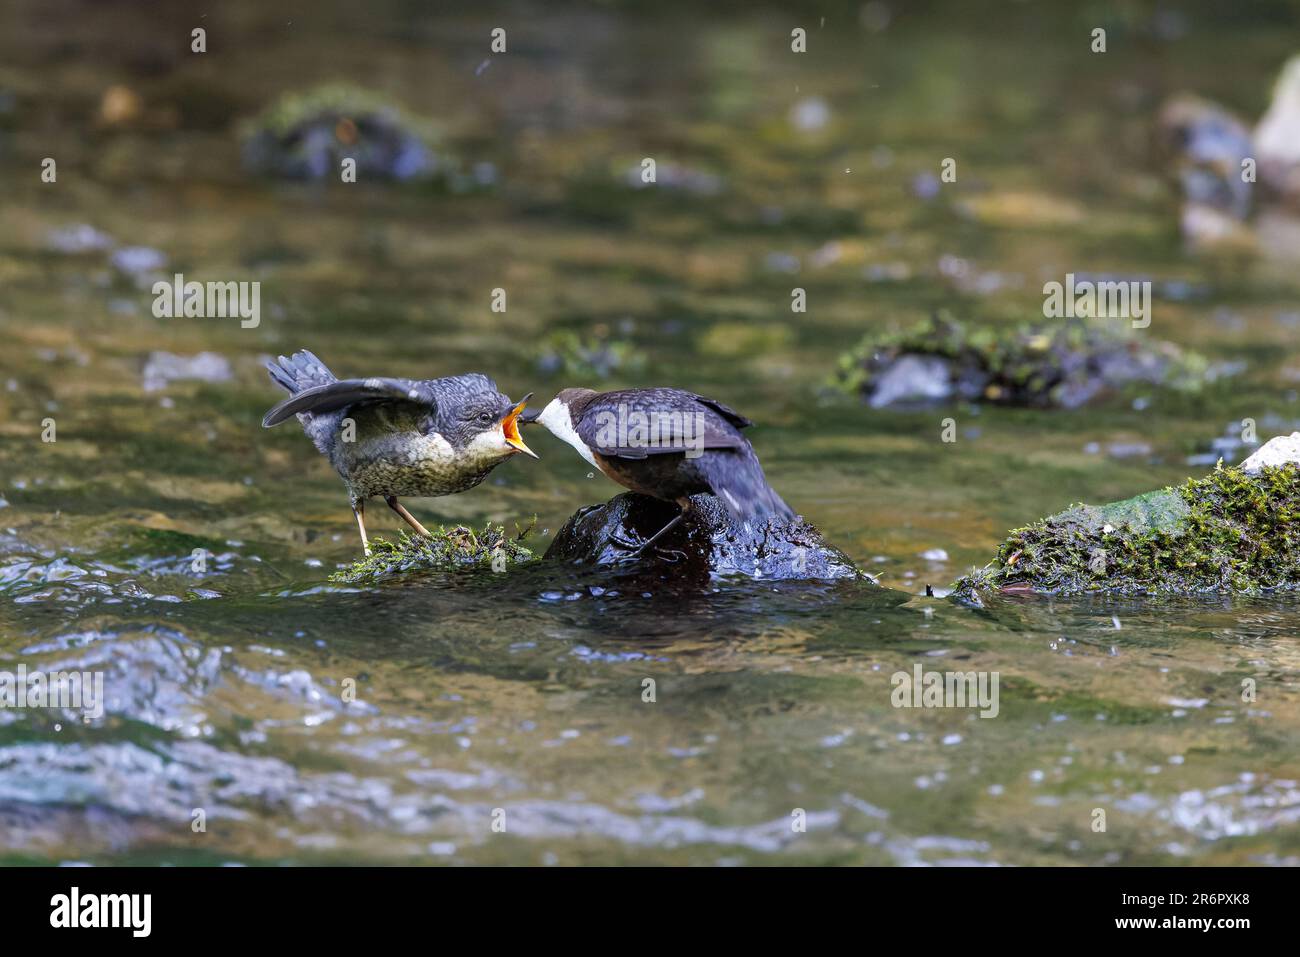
[
  {"x": 297, "y": 374},
  {"x": 738, "y": 481},
  {"x": 300, "y": 371}
]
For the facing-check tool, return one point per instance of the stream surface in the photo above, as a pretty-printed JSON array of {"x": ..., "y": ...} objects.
[{"x": 313, "y": 723}]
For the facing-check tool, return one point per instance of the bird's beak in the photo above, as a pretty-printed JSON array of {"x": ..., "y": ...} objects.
[{"x": 510, "y": 427}]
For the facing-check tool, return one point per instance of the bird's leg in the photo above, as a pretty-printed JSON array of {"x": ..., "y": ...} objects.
[
  {"x": 359, "y": 510},
  {"x": 407, "y": 517},
  {"x": 684, "y": 503}
]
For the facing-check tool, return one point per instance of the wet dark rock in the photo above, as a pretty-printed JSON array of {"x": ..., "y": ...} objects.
[
  {"x": 1064, "y": 365},
  {"x": 709, "y": 542},
  {"x": 306, "y": 136}
]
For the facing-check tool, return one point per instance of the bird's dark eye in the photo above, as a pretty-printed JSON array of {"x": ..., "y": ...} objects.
[{"x": 485, "y": 417}]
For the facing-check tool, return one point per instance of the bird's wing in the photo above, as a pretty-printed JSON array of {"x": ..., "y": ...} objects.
[
  {"x": 726, "y": 411},
  {"x": 345, "y": 392},
  {"x": 640, "y": 422}
]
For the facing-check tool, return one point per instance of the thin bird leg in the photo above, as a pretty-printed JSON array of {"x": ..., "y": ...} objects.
[
  {"x": 684, "y": 504},
  {"x": 359, "y": 510},
  {"x": 407, "y": 517}
]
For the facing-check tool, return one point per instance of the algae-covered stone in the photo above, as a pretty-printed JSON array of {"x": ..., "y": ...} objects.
[
  {"x": 308, "y": 135},
  {"x": 1231, "y": 532},
  {"x": 1064, "y": 364},
  {"x": 445, "y": 550}
]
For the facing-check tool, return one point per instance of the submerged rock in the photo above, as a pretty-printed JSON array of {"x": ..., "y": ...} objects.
[
  {"x": 445, "y": 550},
  {"x": 1237, "y": 530},
  {"x": 77, "y": 239},
  {"x": 138, "y": 261},
  {"x": 707, "y": 543},
  {"x": 307, "y": 135},
  {"x": 163, "y": 368},
  {"x": 1066, "y": 364}
]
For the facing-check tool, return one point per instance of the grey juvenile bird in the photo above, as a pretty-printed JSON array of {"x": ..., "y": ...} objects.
[
  {"x": 666, "y": 443},
  {"x": 393, "y": 437}
]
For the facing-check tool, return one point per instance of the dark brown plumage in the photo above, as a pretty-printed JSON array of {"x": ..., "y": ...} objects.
[{"x": 666, "y": 443}]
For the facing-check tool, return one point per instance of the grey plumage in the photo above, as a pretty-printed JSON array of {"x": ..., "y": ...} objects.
[{"x": 393, "y": 437}]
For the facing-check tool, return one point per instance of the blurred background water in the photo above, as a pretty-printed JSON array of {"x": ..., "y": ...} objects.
[{"x": 475, "y": 693}]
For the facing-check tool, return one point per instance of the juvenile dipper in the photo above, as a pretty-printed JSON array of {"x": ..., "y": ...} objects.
[
  {"x": 668, "y": 444},
  {"x": 391, "y": 437}
]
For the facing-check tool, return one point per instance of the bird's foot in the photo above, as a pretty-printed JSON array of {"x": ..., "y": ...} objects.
[
  {"x": 624, "y": 544},
  {"x": 634, "y": 552}
]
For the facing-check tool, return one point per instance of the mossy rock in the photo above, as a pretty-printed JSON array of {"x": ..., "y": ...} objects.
[
  {"x": 1062, "y": 364},
  {"x": 1229, "y": 532},
  {"x": 306, "y": 135},
  {"x": 447, "y": 549}
]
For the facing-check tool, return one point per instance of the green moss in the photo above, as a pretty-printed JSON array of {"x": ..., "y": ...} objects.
[
  {"x": 1226, "y": 532},
  {"x": 445, "y": 550},
  {"x": 1062, "y": 363},
  {"x": 292, "y": 110}
]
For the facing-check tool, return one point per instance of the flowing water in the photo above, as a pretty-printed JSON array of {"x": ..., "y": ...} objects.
[{"x": 480, "y": 718}]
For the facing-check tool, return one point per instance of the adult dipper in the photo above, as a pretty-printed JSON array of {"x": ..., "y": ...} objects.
[
  {"x": 391, "y": 437},
  {"x": 668, "y": 444}
]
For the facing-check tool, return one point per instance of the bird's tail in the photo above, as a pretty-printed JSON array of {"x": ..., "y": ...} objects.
[
  {"x": 300, "y": 371},
  {"x": 738, "y": 481}
]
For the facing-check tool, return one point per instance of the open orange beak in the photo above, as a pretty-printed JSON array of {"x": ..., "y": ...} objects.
[{"x": 510, "y": 426}]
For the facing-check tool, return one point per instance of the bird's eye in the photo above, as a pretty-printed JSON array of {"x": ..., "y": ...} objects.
[{"x": 485, "y": 417}]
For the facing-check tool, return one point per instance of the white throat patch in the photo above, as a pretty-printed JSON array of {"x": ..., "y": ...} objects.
[{"x": 558, "y": 422}]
